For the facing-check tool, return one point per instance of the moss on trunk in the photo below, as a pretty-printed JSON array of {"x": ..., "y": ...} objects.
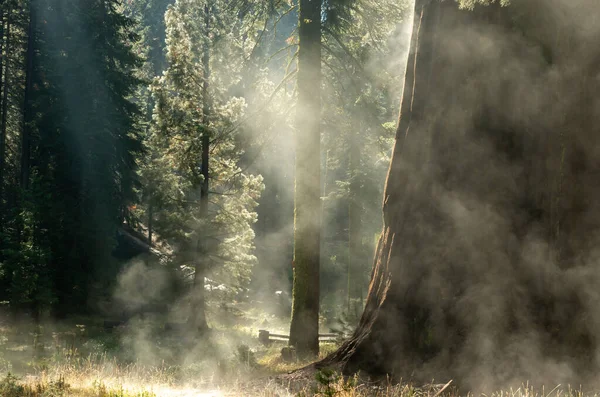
[{"x": 304, "y": 329}]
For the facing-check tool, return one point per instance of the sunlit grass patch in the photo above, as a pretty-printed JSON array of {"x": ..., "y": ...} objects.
[
  {"x": 272, "y": 362},
  {"x": 327, "y": 348},
  {"x": 327, "y": 384},
  {"x": 12, "y": 386},
  {"x": 80, "y": 386}
]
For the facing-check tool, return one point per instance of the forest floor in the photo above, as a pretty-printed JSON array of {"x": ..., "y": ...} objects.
[{"x": 82, "y": 358}]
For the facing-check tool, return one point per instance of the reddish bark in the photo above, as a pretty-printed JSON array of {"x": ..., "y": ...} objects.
[{"x": 465, "y": 282}]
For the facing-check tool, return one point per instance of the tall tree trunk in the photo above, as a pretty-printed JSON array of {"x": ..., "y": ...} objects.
[
  {"x": 462, "y": 286},
  {"x": 26, "y": 134},
  {"x": 2, "y": 46},
  {"x": 201, "y": 267},
  {"x": 27, "y": 105},
  {"x": 150, "y": 223},
  {"x": 355, "y": 247},
  {"x": 304, "y": 329},
  {"x": 4, "y": 69},
  {"x": 149, "y": 197}
]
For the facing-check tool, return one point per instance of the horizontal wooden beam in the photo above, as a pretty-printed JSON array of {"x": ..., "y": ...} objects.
[{"x": 265, "y": 335}]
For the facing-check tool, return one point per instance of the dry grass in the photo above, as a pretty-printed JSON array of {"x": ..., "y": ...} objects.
[
  {"x": 103, "y": 376},
  {"x": 334, "y": 387},
  {"x": 271, "y": 361},
  {"x": 89, "y": 366}
]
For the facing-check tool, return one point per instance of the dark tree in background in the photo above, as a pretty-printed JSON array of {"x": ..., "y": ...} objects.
[
  {"x": 4, "y": 71},
  {"x": 77, "y": 104},
  {"x": 152, "y": 26},
  {"x": 72, "y": 133},
  {"x": 486, "y": 260},
  {"x": 304, "y": 328},
  {"x": 332, "y": 155}
]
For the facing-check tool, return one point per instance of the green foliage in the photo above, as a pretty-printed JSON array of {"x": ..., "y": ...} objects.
[
  {"x": 101, "y": 390},
  {"x": 115, "y": 139},
  {"x": 150, "y": 15},
  {"x": 362, "y": 84},
  {"x": 171, "y": 175},
  {"x": 326, "y": 379},
  {"x": 246, "y": 356},
  {"x": 470, "y": 4},
  {"x": 331, "y": 384},
  {"x": 84, "y": 139},
  {"x": 10, "y": 387}
]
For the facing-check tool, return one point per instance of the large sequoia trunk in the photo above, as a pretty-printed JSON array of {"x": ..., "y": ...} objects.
[{"x": 485, "y": 270}]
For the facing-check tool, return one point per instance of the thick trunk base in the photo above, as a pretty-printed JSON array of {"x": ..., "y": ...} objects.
[{"x": 484, "y": 188}]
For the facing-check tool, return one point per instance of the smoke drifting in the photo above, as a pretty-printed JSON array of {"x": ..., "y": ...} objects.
[{"x": 491, "y": 202}]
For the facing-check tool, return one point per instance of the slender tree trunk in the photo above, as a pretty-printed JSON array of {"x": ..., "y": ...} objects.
[
  {"x": 355, "y": 247},
  {"x": 201, "y": 267},
  {"x": 304, "y": 329},
  {"x": 149, "y": 197},
  {"x": 2, "y": 46},
  {"x": 150, "y": 225},
  {"x": 27, "y": 105},
  {"x": 4, "y": 69}
]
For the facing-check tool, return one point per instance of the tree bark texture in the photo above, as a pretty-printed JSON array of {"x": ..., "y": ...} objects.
[
  {"x": 496, "y": 150},
  {"x": 355, "y": 246},
  {"x": 27, "y": 105},
  {"x": 304, "y": 329},
  {"x": 4, "y": 69}
]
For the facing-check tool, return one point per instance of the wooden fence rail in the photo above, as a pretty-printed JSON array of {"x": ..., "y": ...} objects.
[{"x": 265, "y": 337}]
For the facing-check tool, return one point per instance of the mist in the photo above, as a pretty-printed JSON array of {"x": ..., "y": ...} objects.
[
  {"x": 147, "y": 197},
  {"x": 489, "y": 205},
  {"x": 168, "y": 169}
]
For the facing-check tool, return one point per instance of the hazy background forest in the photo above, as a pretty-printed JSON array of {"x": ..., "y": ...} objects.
[{"x": 117, "y": 253}]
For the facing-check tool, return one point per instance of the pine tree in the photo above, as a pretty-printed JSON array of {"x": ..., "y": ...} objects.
[
  {"x": 194, "y": 146},
  {"x": 78, "y": 146},
  {"x": 14, "y": 29}
]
